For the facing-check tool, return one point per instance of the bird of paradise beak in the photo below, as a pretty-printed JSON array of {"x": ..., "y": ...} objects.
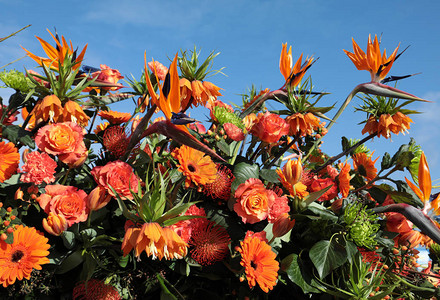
[{"x": 169, "y": 102}]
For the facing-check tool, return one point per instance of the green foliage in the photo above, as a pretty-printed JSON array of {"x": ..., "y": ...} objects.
[
  {"x": 16, "y": 80},
  {"x": 362, "y": 225}
]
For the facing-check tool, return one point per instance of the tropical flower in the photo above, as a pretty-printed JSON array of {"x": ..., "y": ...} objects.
[
  {"x": 38, "y": 168},
  {"x": 220, "y": 188},
  {"x": 48, "y": 109},
  {"x": 9, "y": 160},
  {"x": 95, "y": 289},
  {"x": 62, "y": 139},
  {"x": 116, "y": 140},
  {"x": 293, "y": 75},
  {"x": 344, "y": 180},
  {"x": 195, "y": 165},
  {"x": 259, "y": 262},
  {"x": 56, "y": 55},
  {"x": 374, "y": 61},
  {"x": 28, "y": 251},
  {"x": 119, "y": 176},
  {"x": 269, "y": 127},
  {"x": 114, "y": 117},
  {"x": 303, "y": 124},
  {"x": 423, "y": 191},
  {"x": 396, "y": 123},
  {"x": 67, "y": 201},
  {"x": 210, "y": 244},
  {"x": 363, "y": 163}
]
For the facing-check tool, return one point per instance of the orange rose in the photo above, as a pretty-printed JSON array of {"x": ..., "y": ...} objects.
[
  {"x": 269, "y": 127},
  {"x": 62, "y": 139},
  {"x": 252, "y": 201},
  {"x": 119, "y": 175},
  {"x": 66, "y": 201}
]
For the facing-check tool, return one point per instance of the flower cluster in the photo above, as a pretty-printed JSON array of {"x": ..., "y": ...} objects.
[{"x": 153, "y": 203}]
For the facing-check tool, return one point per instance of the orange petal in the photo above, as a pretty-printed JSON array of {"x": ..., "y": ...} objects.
[
  {"x": 424, "y": 178},
  {"x": 415, "y": 189}
]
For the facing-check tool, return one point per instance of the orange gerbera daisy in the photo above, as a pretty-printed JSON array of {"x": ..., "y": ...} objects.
[
  {"x": 57, "y": 54},
  {"x": 302, "y": 124},
  {"x": 374, "y": 62},
  {"x": 259, "y": 261},
  {"x": 387, "y": 123},
  {"x": 344, "y": 180},
  {"x": 28, "y": 251},
  {"x": 363, "y": 163},
  {"x": 293, "y": 75},
  {"x": 196, "y": 166},
  {"x": 9, "y": 159},
  {"x": 114, "y": 117}
]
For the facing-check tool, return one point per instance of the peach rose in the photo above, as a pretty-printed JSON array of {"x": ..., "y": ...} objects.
[
  {"x": 62, "y": 139},
  {"x": 269, "y": 127},
  {"x": 252, "y": 203},
  {"x": 119, "y": 175},
  {"x": 66, "y": 201}
]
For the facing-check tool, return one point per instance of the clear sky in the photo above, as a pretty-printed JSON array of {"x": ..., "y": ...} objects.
[{"x": 249, "y": 35}]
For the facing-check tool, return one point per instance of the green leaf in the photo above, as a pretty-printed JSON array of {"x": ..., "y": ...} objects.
[
  {"x": 243, "y": 172},
  {"x": 327, "y": 256},
  {"x": 315, "y": 195},
  {"x": 17, "y": 134},
  {"x": 298, "y": 274},
  {"x": 269, "y": 175},
  {"x": 165, "y": 294},
  {"x": 351, "y": 250},
  {"x": 386, "y": 161},
  {"x": 345, "y": 144},
  {"x": 322, "y": 211},
  {"x": 71, "y": 262},
  {"x": 174, "y": 212},
  {"x": 68, "y": 239},
  {"x": 89, "y": 267}
]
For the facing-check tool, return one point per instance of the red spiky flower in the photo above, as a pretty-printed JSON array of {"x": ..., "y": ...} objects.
[
  {"x": 95, "y": 289},
  {"x": 210, "y": 244},
  {"x": 116, "y": 140},
  {"x": 221, "y": 187}
]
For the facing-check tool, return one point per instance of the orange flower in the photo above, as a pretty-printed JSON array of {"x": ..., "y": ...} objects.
[
  {"x": 55, "y": 224},
  {"x": 101, "y": 127},
  {"x": 119, "y": 175},
  {"x": 374, "y": 62},
  {"x": 72, "y": 112},
  {"x": 98, "y": 198},
  {"x": 159, "y": 69},
  {"x": 269, "y": 127},
  {"x": 259, "y": 262},
  {"x": 95, "y": 289},
  {"x": 293, "y": 75},
  {"x": 209, "y": 243},
  {"x": 196, "y": 92},
  {"x": 344, "y": 180},
  {"x": 220, "y": 188},
  {"x": 114, "y": 117},
  {"x": 62, "y": 139},
  {"x": 396, "y": 123},
  {"x": 159, "y": 242},
  {"x": 282, "y": 225},
  {"x": 290, "y": 177},
  {"x": 56, "y": 55},
  {"x": 252, "y": 201},
  {"x": 28, "y": 251},
  {"x": 49, "y": 109},
  {"x": 196, "y": 166},
  {"x": 106, "y": 75},
  {"x": 302, "y": 124},
  {"x": 116, "y": 140},
  {"x": 425, "y": 186},
  {"x": 363, "y": 163},
  {"x": 131, "y": 234},
  {"x": 38, "y": 168},
  {"x": 9, "y": 159},
  {"x": 67, "y": 201}
]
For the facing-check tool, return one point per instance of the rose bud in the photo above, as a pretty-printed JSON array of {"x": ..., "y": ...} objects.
[
  {"x": 55, "y": 224},
  {"x": 282, "y": 225}
]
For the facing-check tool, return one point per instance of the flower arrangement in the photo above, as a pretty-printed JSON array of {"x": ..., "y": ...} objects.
[{"x": 152, "y": 204}]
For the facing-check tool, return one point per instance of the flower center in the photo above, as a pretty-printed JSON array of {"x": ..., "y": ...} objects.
[
  {"x": 191, "y": 168},
  {"x": 253, "y": 265},
  {"x": 17, "y": 255}
]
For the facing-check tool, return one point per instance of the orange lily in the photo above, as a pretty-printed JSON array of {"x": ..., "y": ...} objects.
[
  {"x": 57, "y": 55},
  {"x": 293, "y": 75},
  {"x": 374, "y": 62},
  {"x": 425, "y": 186}
]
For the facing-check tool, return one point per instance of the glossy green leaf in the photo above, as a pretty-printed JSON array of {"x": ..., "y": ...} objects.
[{"x": 327, "y": 256}]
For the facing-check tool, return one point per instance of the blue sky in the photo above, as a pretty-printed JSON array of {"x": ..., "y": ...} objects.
[{"x": 249, "y": 35}]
